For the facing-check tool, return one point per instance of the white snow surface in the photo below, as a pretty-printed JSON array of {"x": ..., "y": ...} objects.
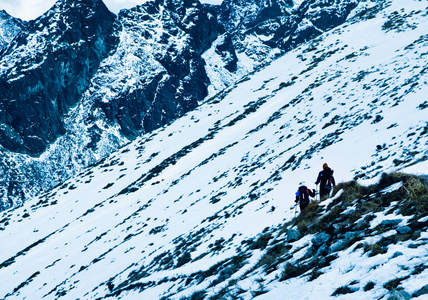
[{"x": 221, "y": 174}]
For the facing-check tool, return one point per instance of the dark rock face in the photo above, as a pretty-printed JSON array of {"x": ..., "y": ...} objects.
[
  {"x": 285, "y": 27},
  {"x": 63, "y": 50},
  {"x": 10, "y": 27},
  {"x": 178, "y": 82},
  {"x": 243, "y": 15},
  {"x": 422, "y": 291},
  {"x": 226, "y": 50},
  {"x": 312, "y": 19}
]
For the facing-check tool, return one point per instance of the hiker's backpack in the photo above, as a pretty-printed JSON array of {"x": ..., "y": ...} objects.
[
  {"x": 303, "y": 195},
  {"x": 330, "y": 179},
  {"x": 328, "y": 173}
]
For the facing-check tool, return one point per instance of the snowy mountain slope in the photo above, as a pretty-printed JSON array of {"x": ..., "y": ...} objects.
[
  {"x": 81, "y": 82},
  {"x": 174, "y": 212}
]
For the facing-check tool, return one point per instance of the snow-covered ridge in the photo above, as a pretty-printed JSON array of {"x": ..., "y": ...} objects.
[{"x": 193, "y": 207}]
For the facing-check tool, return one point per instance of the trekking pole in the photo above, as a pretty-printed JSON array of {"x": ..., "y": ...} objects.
[{"x": 316, "y": 193}]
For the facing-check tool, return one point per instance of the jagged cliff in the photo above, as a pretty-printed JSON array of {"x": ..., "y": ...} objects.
[
  {"x": 47, "y": 68},
  {"x": 10, "y": 27}
]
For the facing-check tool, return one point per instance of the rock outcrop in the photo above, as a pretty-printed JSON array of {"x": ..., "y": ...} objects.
[{"x": 47, "y": 68}]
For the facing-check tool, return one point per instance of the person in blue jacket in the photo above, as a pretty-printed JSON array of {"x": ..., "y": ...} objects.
[
  {"x": 326, "y": 181},
  {"x": 302, "y": 196}
]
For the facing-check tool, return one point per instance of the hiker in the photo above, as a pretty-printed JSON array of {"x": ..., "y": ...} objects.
[
  {"x": 302, "y": 196},
  {"x": 326, "y": 181}
]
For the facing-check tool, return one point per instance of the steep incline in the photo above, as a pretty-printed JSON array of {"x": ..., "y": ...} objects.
[
  {"x": 190, "y": 208},
  {"x": 80, "y": 82}
]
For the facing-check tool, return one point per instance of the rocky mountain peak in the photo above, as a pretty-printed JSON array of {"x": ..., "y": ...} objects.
[
  {"x": 73, "y": 6},
  {"x": 164, "y": 40},
  {"x": 244, "y": 14},
  {"x": 45, "y": 70},
  {"x": 10, "y": 27},
  {"x": 190, "y": 17}
]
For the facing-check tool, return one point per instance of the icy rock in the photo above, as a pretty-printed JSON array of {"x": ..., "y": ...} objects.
[
  {"x": 322, "y": 251},
  {"x": 10, "y": 27},
  {"x": 337, "y": 246},
  {"x": 396, "y": 254},
  {"x": 388, "y": 223},
  {"x": 340, "y": 227},
  {"x": 404, "y": 229},
  {"x": 362, "y": 224},
  {"x": 351, "y": 235},
  {"x": 422, "y": 291},
  {"x": 399, "y": 295},
  {"x": 55, "y": 83},
  {"x": 320, "y": 239},
  {"x": 225, "y": 274},
  {"x": 293, "y": 235}
]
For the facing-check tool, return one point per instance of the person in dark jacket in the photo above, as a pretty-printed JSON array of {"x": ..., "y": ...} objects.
[
  {"x": 302, "y": 196},
  {"x": 326, "y": 181}
]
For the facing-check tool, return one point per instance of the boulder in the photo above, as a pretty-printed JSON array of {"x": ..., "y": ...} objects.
[
  {"x": 391, "y": 223},
  {"x": 422, "y": 291},
  {"x": 404, "y": 230},
  {"x": 399, "y": 295},
  {"x": 338, "y": 245},
  {"x": 320, "y": 239},
  {"x": 293, "y": 235}
]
